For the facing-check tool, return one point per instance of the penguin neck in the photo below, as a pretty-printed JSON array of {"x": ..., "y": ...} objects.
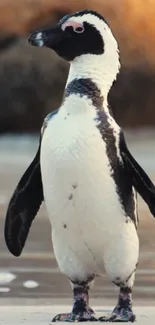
[{"x": 99, "y": 71}]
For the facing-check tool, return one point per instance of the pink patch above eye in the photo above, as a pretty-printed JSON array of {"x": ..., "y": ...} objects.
[{"x": 71, "y": 23}]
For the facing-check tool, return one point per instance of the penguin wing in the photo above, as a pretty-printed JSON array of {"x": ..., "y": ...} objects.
[
  {"x": 25, "y": 202},
  {"x": 23, "y": 207},
  {"x": 140, "y": 179}
]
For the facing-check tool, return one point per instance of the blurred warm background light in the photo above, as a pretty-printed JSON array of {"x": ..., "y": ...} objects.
[
  {"x": 132, "y": 21},
  {"x": 133, "y": 96}
]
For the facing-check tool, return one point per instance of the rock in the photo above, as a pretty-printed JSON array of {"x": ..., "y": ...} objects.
[
  {"x": 32, "y": 81},
  {"x": 132, "y": 97},
  {"x": 31, "y": 84}
]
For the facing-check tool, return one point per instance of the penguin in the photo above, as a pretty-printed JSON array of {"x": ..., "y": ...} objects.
[{"x": 84, "y": 173}]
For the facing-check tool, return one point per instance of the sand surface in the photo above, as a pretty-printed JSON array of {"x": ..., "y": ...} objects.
[{"x": 42, "y": 315}]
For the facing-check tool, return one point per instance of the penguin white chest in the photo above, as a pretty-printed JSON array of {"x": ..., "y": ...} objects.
[
  {"x": 76, "y": 172},
  {"x": 80, "y": 193}
]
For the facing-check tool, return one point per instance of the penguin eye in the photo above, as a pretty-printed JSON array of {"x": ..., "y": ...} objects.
[{"x": 79, "y": 29}]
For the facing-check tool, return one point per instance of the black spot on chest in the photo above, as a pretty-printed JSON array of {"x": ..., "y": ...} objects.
[{"x": 70, "y": 197}]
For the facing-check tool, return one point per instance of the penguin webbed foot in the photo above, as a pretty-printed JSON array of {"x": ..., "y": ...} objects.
[
  {"x": 81, "y": 312},
  {"x": 120, "y": 314},
  {"x": 83, "y": 316},
  {"x": 123, "y": 311}
]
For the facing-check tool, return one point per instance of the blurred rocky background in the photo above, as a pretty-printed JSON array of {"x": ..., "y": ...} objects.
[{"x": 32, "y": 80}]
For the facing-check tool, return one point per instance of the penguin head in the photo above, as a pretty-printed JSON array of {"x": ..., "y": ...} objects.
[{"x": 82, "y": 33}]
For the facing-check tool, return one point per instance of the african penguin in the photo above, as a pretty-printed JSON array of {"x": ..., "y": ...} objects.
[{"x": 84, "y": 172}]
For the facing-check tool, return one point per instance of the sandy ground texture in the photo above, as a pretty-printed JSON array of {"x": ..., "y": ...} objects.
[
  {"x": 42, "y": 315},
  {"x": 34, "y": 278}
]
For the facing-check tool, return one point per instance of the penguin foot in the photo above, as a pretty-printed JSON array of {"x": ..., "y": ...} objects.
[
  {"x": 120, "y": 315},
  {"x": 81, "y": 312},
  {"x": 83, "y": 316},
  {"x": 123, "y": 311}
]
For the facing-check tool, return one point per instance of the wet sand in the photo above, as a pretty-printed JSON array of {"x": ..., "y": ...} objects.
[{"x": 37, "y": 262}]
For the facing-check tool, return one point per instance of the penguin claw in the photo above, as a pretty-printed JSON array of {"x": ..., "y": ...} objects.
[
  {"x": 60, "y": 317},
  {"x": 120, "y": 315},
  {"x": 71, "y": 317}
]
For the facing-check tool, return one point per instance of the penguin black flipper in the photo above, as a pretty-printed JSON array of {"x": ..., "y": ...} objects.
[
  {"x": 25, "y": 202},
  {"x": 140, "y": 180},
  {"x": 23, "y": 207}
]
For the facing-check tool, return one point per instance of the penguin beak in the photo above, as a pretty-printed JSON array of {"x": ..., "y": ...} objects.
[{"x": 47, "y": 37}]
